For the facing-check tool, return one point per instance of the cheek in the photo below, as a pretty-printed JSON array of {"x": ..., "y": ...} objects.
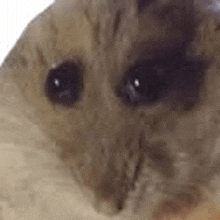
[{"x": 66, "y": 127}]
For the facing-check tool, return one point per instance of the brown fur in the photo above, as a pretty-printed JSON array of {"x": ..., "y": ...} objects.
[{"x": 127, "y": 157}]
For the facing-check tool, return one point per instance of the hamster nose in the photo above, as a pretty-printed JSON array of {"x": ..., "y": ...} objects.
[{"x": 109, "y": 206}]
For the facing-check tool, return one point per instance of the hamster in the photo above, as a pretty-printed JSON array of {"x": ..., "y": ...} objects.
[{"x": 110, "y": 110}]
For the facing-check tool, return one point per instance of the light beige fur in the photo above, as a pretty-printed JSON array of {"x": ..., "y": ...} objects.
[{"x": 80, "y": 162}]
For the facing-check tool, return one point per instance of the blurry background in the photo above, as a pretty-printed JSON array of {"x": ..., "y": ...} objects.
[{"x": 14, "y": 16}]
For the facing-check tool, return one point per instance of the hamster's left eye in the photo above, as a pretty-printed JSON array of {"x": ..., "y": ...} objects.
[
  {"x": 63, "y": 84},
  {"x": 143, "y": 84}
]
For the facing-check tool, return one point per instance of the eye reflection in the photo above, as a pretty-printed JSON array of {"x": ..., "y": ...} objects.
[{"x": 63, "y": 85}]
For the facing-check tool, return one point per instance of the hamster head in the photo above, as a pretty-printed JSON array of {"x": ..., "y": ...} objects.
[{"x": 122, "y": 88}]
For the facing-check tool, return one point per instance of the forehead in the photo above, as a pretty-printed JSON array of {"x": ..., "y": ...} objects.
[
  {"x": 105, "y": 36},
  {"x": 119, "y": 30}
]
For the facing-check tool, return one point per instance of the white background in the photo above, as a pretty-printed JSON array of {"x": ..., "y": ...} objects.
[{"x": 14, "y": 16}]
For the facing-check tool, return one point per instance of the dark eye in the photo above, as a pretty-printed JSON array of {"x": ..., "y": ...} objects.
[
  {"x": 63, "y": 84},
  {"x": 144, "y": 84}
]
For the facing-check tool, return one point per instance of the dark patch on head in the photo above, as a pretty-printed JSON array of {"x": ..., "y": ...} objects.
[
  {"x": 171, "y": 13},
  {"x": 186, "y": 82},
  {"x": 175, "y": 77},
  {"x": 142, "y": 4}
]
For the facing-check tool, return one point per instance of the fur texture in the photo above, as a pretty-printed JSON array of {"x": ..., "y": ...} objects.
[{"x": 112, "y": 154}]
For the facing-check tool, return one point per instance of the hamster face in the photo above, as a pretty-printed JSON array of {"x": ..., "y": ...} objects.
[{"x": 128, "y": 91}]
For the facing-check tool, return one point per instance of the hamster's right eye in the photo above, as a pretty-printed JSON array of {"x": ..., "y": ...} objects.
[{"x": 63, "y": 84}]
